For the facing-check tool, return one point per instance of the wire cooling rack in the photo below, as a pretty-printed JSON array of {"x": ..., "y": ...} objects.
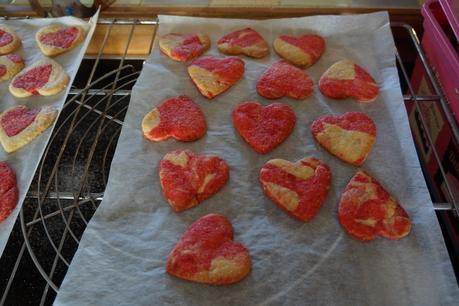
[{"x": 70, "y": 181}]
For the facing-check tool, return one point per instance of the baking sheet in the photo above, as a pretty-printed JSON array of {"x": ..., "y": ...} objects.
[
  {"x": 122, "y": 255},
  {"x": 25, "y": 161}
]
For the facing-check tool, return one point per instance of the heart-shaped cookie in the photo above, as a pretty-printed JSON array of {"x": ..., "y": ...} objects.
[
  {"x": 19, "y": 125},
  {"x": 282, "y": 79},
  {"x": 263, "y": 127},
  {"x": 10, "y": 65},
  {"x": 299, "y": 188},
  {"x": 8, "y": 191},
  {"x": 177, "y": 117},
  {"x": 366, "y": 210},
  {"x": 345, "y": 79},
  {"x": 45, "y": 77},
  {"x": 56, "y": 39},
  {"x": 206, "y": 253},
  {"x": 184, "y": 47},
  {"x": 302, "y": 51},
  {"x": 188, "y": 179},
  {"x": 349, "y": 137},
  {"x": 9, "y": 41},
  {"x": 212, "y": 76},
  {"x": 246, "y": 41}
]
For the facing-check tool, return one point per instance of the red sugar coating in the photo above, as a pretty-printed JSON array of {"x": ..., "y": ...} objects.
[
  {"x": 180, "y": 118},
  {"x": 17, "y": 119},
  {"x": 8, "y": 191},
  {"x": 352, "y": 210},
  {"x": 363, "y": 88},
  {"x": 2, "y": 70},
  {"x": 230, "y": 69},
  {"x": 15, "y": 58},
  {"x": 263, "y": 127},
  {"x": 352, "y": 121},
  {"x": 206, "y": 239},
  {"x": 62, "y": 38},
  {"x": 34, "y": 79},
  {"x": 282, "y": 79},
  {"x": 190, "y": 46},
  {"x": 5, "y": 38},
  {"x": 181, "y": 184},
  {"x": 242, "y": 38},
  {"x": 312, "y": 192},
  {"x": 313, "y": 45}
]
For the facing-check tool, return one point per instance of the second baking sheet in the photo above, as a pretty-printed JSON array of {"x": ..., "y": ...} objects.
[{"x": 122, "y": 256}]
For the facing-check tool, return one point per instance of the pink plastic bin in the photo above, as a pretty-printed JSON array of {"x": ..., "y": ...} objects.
[{"x": 440, "y": 43}]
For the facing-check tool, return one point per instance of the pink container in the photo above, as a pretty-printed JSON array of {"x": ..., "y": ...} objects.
[{"x": 440, "y": 43}]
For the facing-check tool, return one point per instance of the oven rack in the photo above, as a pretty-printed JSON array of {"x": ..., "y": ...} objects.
[{"x": 59, "y": 205}]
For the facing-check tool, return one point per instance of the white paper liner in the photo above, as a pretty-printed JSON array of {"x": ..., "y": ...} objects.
[
  {"x": 121, "y": 258},
  {"x": 25, "y": 161}
]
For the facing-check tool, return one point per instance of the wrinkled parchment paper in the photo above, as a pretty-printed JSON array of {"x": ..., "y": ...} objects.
[
  {"x": 25, "y": 160},
  {"x": 121, "y": 258}
]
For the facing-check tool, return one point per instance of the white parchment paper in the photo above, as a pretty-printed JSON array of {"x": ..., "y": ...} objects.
[
  {"x": 25, "y": 160},
  {"x": 121, "y": 258}
]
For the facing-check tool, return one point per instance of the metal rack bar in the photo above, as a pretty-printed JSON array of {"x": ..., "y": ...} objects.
[{"x": 454, "y": 205}]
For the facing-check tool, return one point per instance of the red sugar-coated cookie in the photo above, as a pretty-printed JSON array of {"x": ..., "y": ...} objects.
[
  {"x": 263, "y": 127},
  {"x": 184, "y": 47},
  {"x": 8, "y": 191},
  {"x": 350, "y": 137},
  {"x": 19, "y": 125},
  {"x": 55, "y": 39},
  {"x": 9, "y": 41},
  {"x": 302, "y": 51},
  {"x": 45, "y": 77},
  {"x": 178, "y": 117},
  {"x": 246, "y": 41},
  {"x": 212, "y": 76},
  {"x": 282, "y": 79},
  {"x": 206, "y": 253},
  {"x": 345, "y": 79},
  {"x": 188, "y": 179},
  {"x": 17, "y": 119},
  {"x": 5, "y": 38},
  {"x": 299, "y": 188},
  {"x": 62, "y": 38},
  {"x": 367, "y": 210},
  {"x": 10, "y": 65}
]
